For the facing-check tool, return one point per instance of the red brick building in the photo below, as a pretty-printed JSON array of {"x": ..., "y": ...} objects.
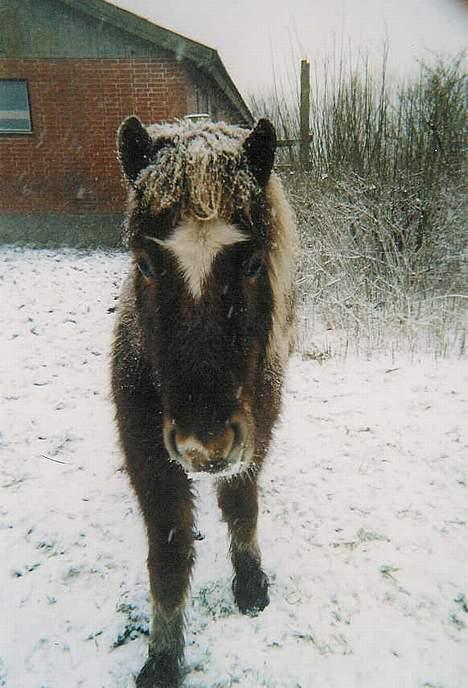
[{"x": 70, "y": 71}]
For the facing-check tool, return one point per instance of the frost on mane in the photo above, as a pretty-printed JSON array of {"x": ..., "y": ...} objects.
[{"x": 201, "y": 169}]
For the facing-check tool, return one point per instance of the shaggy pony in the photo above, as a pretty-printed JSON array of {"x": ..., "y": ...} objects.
[{"x": 201, "y": 342}]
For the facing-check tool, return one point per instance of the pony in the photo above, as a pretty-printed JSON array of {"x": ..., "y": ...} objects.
[{"x": 204, "y": 328}]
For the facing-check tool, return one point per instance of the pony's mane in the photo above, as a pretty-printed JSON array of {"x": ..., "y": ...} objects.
[{"x": 199, "y": 168}]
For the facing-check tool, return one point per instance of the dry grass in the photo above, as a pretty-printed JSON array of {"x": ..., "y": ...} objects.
[
  {"x": 369, "y": 280},
  {"x": 382, "y": 213}
]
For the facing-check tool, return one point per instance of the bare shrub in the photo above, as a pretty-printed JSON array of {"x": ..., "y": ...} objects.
[{"x": 381, "y": 211}]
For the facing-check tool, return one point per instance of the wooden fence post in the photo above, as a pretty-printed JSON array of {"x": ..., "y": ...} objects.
[{"x": 304, "y": 135}]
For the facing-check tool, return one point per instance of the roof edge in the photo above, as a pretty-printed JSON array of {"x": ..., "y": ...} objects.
[{"x": 205, "y": 58}]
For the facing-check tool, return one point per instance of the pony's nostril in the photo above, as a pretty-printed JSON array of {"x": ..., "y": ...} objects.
[
  {"x": 171, "y": 440},
  {"x": 238, "y": 435},
  {"x": 233, "y": 432}
]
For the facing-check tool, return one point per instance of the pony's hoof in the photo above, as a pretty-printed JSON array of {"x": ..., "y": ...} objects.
[
  {"x": 251, "y": 594},
  {"x": 159, "y": 671}
]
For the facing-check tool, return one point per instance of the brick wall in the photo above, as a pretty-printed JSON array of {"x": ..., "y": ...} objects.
[{"x": 68, "y": 164}]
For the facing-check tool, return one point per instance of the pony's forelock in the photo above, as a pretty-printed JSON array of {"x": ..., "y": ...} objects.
[{"x": 201, "y": 170}]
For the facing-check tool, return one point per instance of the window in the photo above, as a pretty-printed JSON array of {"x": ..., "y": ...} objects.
[{"x": 15, "y": 117}]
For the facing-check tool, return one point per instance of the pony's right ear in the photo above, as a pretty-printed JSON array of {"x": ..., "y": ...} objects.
[
  {"x": 259, "y": 147},
  {"x": 134, "y": 147}
]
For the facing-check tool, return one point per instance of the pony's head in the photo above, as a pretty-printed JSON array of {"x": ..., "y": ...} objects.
[{"x": 207, "y": 226}]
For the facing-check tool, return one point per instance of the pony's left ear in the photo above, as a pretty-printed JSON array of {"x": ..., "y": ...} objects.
[
  {"x": 260, "y": 146},
  {"x": 134, "y": 147}
]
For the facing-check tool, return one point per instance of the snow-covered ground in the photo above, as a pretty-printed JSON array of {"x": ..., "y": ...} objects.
[{"x": 363, "y": 526}]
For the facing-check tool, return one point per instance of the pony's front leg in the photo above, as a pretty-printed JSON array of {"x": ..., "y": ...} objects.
[
  {"x": 238, "y": 501},
  {"x": 169, "y": 521}
]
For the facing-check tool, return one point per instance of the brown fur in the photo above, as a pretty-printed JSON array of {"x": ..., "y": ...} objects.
[{"x": 197, "y": 382}]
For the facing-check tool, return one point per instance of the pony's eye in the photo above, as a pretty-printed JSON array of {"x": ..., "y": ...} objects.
[
  {"x": 145, "y": 267},
  {"x": 254, "y": 265}
]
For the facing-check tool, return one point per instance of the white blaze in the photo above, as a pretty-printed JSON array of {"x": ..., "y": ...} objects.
[{"x": 195, "y": 245}]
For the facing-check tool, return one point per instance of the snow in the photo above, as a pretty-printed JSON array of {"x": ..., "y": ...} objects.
[{"x": 363, "y": 522}]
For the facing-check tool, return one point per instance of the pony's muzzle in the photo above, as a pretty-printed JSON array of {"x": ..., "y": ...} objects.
[{"x": 214, "y": 454}]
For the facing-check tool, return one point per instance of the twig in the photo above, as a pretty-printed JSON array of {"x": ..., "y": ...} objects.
[
  {"x": 451, "y": 296},
  {"x": 49, "y": 458}
]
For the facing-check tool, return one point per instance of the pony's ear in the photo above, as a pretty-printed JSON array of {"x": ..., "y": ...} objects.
[
  {"x": 134, "y": 147},
  {"x": 260, "y": 146}
]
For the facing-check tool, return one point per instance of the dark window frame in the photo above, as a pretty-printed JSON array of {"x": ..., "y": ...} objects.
[
  {"x": 203, "y": 100},
  {"x": 20, "y": 132}
]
